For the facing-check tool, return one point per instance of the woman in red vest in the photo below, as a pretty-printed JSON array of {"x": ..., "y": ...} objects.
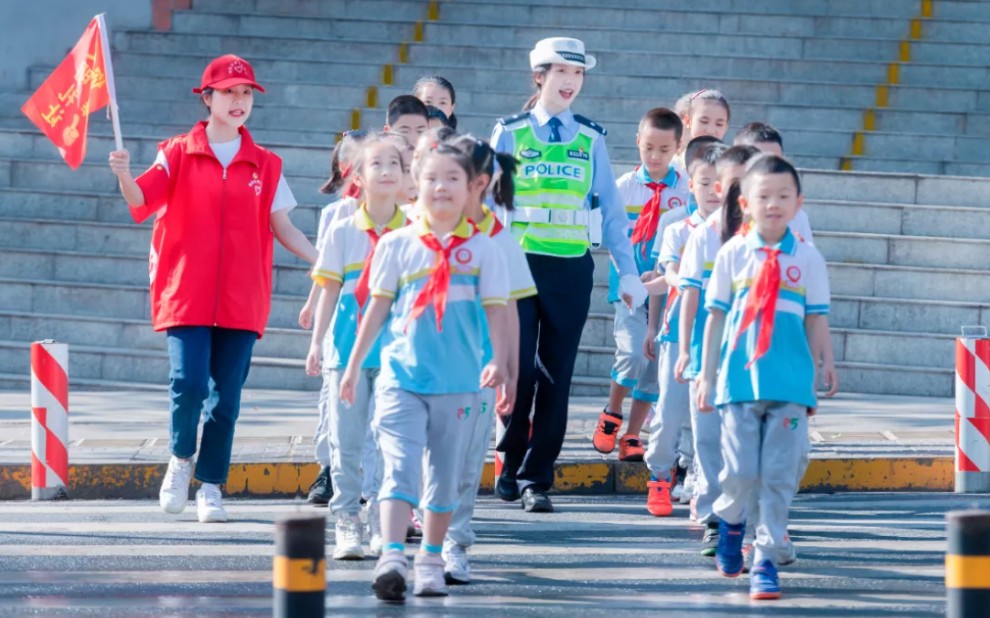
[{"x": 218, "y": 199}]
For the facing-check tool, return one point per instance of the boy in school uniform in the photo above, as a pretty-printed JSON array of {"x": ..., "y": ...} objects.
[
  {"x": 771, "y": 291},
  {"x": 650, "y": 192}
]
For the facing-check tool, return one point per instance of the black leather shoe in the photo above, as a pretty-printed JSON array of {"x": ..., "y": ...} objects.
[
  {"x": 506, "y": 487},
  {"x": 321, "y": 490},
  {"x": 535, "y": 500}
]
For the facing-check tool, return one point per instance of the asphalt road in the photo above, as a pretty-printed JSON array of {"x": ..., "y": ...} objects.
[{"x": 859, "y": 555}]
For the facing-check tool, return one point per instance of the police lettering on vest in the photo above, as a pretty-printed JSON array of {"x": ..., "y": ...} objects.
[{"x": 553, "y": 170}]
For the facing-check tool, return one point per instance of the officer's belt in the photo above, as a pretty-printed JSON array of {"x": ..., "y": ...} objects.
[{"x": 554, "y": 216}]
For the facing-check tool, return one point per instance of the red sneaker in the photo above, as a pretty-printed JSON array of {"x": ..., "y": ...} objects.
[
  {"x": 606, "y": 432},
  {"x": 658, "y": 499},
  {"x": 630, "y": 448}
]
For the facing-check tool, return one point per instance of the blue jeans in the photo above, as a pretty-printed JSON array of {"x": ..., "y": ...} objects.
[{"x": 208, "y": 368}]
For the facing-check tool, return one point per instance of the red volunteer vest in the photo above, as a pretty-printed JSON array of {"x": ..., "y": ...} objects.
[{"x": 211, "y": 246}]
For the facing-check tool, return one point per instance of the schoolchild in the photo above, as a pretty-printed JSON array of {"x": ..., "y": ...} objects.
[
  {"x": 407, "y": 116},
  {"x": 460, "y": 535},
  {"x": 343, "y": 272},
  {"x": 321, "y": 490},
  {"x": 771, "y": 292},
  {"x": 662, "y": 335},
  {"x": 694, "y": 271},
  {"x": 439, "y": 92},
  {"x": 427, "y": 280},
  {"x": 648, "y": 192}
]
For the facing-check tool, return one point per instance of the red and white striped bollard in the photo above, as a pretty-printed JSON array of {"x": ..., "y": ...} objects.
[
  {"x": 49, "y": 420},
  {"x": 973, "y": 414}
]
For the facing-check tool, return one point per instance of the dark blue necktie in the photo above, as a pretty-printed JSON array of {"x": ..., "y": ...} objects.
[{"x": 555, "y": 125}]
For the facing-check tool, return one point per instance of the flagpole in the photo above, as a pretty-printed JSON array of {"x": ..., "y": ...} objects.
[{"x": 111, "y": 87}]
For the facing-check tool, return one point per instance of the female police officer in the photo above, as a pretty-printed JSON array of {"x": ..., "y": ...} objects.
[{"x": 563, "y": 163}]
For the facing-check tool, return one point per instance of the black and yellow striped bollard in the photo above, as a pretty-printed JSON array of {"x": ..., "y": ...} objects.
[
  {"x": 967, "y": 564},
  {"x": 299, "y": 572}
]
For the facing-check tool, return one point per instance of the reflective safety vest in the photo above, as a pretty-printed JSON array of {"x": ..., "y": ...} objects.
[{"x": 552, "y": 185}]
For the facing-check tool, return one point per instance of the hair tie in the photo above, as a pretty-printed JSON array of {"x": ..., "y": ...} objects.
[{"x": 699, "y": 93}]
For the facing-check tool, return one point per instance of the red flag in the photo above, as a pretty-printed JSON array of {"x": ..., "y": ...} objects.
[{"x": 77, "y": 88}]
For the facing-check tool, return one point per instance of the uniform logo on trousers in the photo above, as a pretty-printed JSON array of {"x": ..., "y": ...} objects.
[
  {"x": 791, "y": 423},
  {"x": 463, "y": 413}
]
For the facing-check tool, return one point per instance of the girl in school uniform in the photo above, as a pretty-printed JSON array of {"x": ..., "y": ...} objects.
[
  {"x": 343, "y": 272},
  {"x": 427, "y": 280}
]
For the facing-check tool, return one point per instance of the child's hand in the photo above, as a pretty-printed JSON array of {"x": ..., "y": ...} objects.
[
  {"x": 348, "y": 385},
  {"x": 648, "y": 276},
  {"x": 492, "y": 376},
  {"x": 830, "y": 379},
  {"x": 306, "y": 317},
  {"x": 120, "y": 163},
  {"x": 704, "y": 396},
  {"x": 683, "y": 360},
  {"x": 649, "y": 344},
  {"x": 313, "y": 361},
  {"x": 506, "y": 399}
]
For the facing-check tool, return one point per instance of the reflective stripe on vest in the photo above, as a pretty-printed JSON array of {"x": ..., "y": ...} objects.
[{"x": 554, "y": 177}]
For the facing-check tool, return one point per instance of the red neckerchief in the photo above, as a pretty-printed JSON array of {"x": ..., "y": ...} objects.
[
  {"x": 439, "y": 283},
  {"x": 762, "y": 301},
  {"x": 649, "y": 217},
  {"x": 361, "y": 290}
]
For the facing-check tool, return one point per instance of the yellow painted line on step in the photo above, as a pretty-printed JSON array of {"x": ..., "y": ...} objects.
[
  {"x": 372, "y": 98},
  {"x": 286, "y": 479},
  {"x": 433, "y": 11},
  {"x": 355, "y": 119},
  {"x": 870, "y": 120},
  {"x": 858, "y": 147},
  {"x": 905, "y": 55},
  {"x": 387, "y": 76},
  {"x": 418, "y": 34},
  {"x": 403, "y": 52}
]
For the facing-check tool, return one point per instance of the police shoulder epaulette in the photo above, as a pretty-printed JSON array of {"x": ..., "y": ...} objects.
[
  {"x": 590, "y": 124},
  {"x": 513, "y": 119}
]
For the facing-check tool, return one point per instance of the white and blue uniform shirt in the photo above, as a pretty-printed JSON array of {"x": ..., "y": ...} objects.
[
  {"x": 521, "y": 284},
  {"x": 696, "y": 269},
  {"x": 329, "y": 214},
  {"x": 635, "y": 194},
  {"x": 675, "y": 239},
  {"x": 614, "y": 220},
  {"x": 415, "y": 357},
  {"x": 786, "y": 372},
  {"x": 342, "y": 259}
]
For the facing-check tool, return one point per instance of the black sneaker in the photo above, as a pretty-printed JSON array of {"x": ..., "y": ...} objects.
[
  {"x": 709, "y": 542},
  {"x": 321, "y": 490},
  {"x": 535, "y": 500},
  {"x": 506, "y": 486}
]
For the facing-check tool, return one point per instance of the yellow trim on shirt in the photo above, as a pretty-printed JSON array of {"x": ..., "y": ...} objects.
[
  {"x": 363, "y": 221},
  {"x": 380, "y": 293},
  {"x": 321, "y": 277},
  {"x": 493, "y": 301},
  {"x": 463, "y": 229},
  {"x": 523, "y": 293}
]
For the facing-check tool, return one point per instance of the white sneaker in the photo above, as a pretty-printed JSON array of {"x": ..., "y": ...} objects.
[
  {"x": 390, "y": 577},
  {"x": 457, "y": 569},
  {"x": 347, "y": 538},
  {"x": 175, "y": 486},
  {"x": 209, "y": 505},
  {"x": 687, "y": 492},
  {"x": 788, "y": 553},
  {"x": 676, "y": 492},
  {"x": 430, "y": 580},
  {"x": 374, "y": 518}
]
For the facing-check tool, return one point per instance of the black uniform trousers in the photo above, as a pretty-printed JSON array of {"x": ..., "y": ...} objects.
[{"x": 550, "y": 326}]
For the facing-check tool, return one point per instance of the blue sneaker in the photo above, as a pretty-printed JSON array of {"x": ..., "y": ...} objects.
[
  {"x": 764, "y": 583},
  {"x": 729, "y": 555}
]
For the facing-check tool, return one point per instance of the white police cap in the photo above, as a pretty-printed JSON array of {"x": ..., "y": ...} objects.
[{"x": 561, "y": 50}]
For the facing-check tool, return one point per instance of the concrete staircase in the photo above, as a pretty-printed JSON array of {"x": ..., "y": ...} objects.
[{"x": 907, "y": 253}]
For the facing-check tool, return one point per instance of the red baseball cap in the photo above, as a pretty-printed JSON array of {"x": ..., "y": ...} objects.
[{"x": 227, "y": 71}]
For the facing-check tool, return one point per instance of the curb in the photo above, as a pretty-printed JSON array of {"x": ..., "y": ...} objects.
[{"x": 134, "y": 481}]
